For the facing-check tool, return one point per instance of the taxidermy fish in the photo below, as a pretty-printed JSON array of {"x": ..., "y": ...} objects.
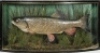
[{"x": 47, "y": 25}]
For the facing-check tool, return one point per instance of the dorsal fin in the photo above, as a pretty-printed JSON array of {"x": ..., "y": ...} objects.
[
  {"x": 84, "y": 20},
  {"x": 59, "y": 15},
  {"x": 55, "y": 15}
]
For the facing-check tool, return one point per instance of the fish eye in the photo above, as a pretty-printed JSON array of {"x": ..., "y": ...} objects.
[{"x": 17, "y": 21}]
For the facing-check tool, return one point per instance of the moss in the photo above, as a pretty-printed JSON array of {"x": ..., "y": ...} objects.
[{"x": 23, "y": 41}]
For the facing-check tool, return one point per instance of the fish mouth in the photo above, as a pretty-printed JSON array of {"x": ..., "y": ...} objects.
[{"x": 13, "y": 22}]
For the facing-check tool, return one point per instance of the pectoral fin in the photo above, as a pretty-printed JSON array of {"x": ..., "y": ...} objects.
[
  {"x": 59, "y": 15},
  {"x": 55, "y": 15}
]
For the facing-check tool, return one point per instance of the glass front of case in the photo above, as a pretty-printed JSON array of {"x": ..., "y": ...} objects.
[{"x": 49, "y": 26}]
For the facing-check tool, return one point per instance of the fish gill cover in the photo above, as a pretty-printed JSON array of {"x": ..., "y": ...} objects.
[{"x": 15, "y": 39}]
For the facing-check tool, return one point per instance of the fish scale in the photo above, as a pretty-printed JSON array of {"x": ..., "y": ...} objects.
[{"x": 45, "y": 26}]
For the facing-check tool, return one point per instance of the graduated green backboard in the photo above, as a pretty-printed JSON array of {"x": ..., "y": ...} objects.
[{"x": 14, "y": 37}]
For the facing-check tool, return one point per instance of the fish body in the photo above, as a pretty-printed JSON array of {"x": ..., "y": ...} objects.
[{"x": 46, "y": 25}]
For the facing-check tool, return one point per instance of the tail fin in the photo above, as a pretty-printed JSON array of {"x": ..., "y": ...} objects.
[{"x": 84, "y": 22}]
